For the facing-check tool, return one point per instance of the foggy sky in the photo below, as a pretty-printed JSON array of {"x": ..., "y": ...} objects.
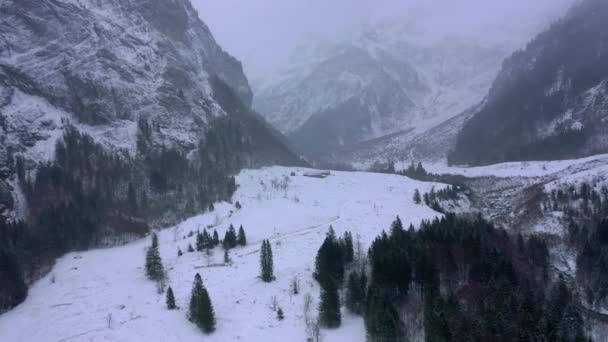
[{"x": 261, "y": 33}]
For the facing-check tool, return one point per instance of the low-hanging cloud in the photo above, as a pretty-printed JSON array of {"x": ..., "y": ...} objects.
[{"x": 263, "y": 32}]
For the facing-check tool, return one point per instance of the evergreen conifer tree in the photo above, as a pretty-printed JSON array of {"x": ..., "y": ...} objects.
[
  {"x": 417, "y": 197},
  {"x": 154, "y": 266},
  {"x": 242, "y": 239},
  {"x": 280, "y": 315},
  {"x": 201, "y": 309},
  {"x": 230, "y": 238},
  {"x": 207, "y": 242},
  {"x": 190, "y": 249},
  {"x": 329, "y": 263},
  {"x": 200, "y": 243},
  {"x": 355, "y": 292},
  {"x": 179, "y": 252},
  {"x": 170, "y": 299},
  {"x": 266, "y": 262},
  {"x": 216, "y": 238},
  {"x": 329, "y": 306},
  {"x": 226, "y": 257},
  {"x": 348, "y": 249}
]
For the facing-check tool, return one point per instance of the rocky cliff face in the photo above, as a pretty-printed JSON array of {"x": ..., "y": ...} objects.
[
  {"x": 103, "y": 61},
  {"x": 103, "y": 65},
  {"x": 550, "y": 100}
]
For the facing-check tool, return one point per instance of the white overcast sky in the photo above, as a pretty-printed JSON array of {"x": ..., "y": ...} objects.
[{"x": 261, "y": 32}]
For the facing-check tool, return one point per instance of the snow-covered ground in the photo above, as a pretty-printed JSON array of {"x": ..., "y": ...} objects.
[
  {"x": 516, "y": 169},
  {"x": 103, "y": 295}
]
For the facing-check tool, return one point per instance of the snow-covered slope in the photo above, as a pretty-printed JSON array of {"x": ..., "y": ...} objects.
[{"x": 85, "y": 289}]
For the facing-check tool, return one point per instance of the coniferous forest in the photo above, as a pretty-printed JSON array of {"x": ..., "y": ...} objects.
[{"x": 469, "y": 281}]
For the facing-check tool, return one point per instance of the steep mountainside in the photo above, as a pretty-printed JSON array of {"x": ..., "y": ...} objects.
[
  {"x": 550, "y": 100},
  {"x": 383, "y": 82},
  {"x": 115, "y": 116}
]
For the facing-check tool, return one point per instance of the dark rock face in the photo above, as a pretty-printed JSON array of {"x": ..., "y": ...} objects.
[
  {"x": 550, "y": 101},
  {"x": 108, "y": 60}
]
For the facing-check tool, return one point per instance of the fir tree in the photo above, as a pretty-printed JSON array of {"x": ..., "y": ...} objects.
[
  {"x": 201, "y": 309},
  {"x": 230, "y": 238},
  {"x": 381, "y": 319},
  {"x": 280, "y": 315},
  {"x": 355, "y": 292},
  {"x": 216, "y": 238},
  {"x": 170, "y": 299},
  {"x": 348, "y": 250},
  {"x": 207, "y": 242},
  {"x": 179, "y": 252},
  {"x": 242, "y": 239},
  {"x": 154, "y": 265},
  {"x": 190, "y": 249},
  {"x": 329, "y": 263},
  {"x": 226, "y": 257},
  {"x": 200, "y": 243},
  {"x": 329, "y": 307},
  {"x": 417, "y": 197},
  {"x": 266, "y": 262}
]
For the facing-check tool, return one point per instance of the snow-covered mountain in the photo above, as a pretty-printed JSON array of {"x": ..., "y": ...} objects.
[
  {"x": 550, "y": 100},
  {"x": 398, "y": 77}
]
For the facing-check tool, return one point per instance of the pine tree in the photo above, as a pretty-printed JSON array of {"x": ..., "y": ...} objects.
[
  {"x": 348, "y": 250},
  {"x": 329, "y": 263},
  {"x": 242, "y": 239},
  {"x": 154, "y": 266},
  {"x": 226, "y": 257},
  {"x": 200, "y": 243},
  {"x": 207, "y": 242},
  {"x": 170, "y": 299},
  {"x": 329, "y": 307},
  {"x": 381, "y": 319},
  {"x": 190, "y": 249},
  {"x": 266, "y": 262},
  {"x": 179, "y": 252},
  {"x": 201, "y": 309},
  {"x": 230, "y": 238},
  {"x": 216, "y": 238},
  {"x": 417, "y": 197},
  {"x": 280, "y": 315},
  {"x": 355, "y": 292}
]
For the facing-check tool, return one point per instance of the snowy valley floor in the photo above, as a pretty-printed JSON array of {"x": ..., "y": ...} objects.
[{"x": 103, "y": 295}]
